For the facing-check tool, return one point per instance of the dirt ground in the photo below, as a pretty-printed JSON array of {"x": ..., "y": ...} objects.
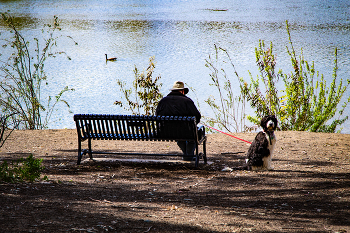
[{"x": 308, "y": 191}]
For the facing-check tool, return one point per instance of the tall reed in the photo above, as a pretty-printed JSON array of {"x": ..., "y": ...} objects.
[
  {"x": 229, "y": 111},
  {"x": 23, "y": 76}
]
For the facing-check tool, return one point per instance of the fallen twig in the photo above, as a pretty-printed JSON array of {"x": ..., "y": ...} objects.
[{"x": 148, "y": 229}]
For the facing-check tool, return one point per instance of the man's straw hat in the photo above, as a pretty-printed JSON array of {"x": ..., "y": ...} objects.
[{"x": 178, "y": 85}]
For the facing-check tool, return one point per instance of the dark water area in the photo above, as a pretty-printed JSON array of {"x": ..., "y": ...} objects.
[{"x": 181, "y": 36}]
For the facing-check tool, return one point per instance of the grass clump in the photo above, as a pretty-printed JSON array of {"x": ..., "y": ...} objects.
[{"x": 21, "y": 170}]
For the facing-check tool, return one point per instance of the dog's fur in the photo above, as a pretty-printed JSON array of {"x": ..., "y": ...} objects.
[{"x": 260, "y": 152}]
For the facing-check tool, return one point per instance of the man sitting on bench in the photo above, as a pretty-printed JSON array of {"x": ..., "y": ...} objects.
[{"x": 176, "y": 103}]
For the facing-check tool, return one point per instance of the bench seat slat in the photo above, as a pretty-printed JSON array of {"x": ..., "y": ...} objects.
[{"x": 122, "y": 137}]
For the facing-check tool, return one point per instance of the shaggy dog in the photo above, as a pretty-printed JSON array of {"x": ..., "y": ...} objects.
[{"x": 260, "y": 152}]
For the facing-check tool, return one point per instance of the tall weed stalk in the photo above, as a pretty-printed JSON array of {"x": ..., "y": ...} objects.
[
  {"x": 229, "y": 110},
  {"x": 23, "y": 75},
  {"x": 8, "y": 124}
]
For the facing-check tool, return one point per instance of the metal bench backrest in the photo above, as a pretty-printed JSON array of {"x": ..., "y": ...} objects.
[{"x": 132, "y": 127}]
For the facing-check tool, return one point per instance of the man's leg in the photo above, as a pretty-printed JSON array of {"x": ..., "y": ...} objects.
[{"x": 188, "y": 149}]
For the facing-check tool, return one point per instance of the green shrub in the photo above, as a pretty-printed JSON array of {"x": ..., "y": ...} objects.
[
  {"x": 306, "y": 104},
  {"x": 21, "y": 170}
]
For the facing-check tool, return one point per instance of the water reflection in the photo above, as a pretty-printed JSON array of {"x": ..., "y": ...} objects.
[
  {"x": 24, "y": 22},
  {"x": 181, "y": 36}
]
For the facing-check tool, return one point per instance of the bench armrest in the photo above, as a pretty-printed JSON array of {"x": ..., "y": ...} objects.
[{"x": 201, "y": 132}]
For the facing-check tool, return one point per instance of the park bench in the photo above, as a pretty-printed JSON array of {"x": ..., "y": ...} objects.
[{"x": 138, "y": 128}]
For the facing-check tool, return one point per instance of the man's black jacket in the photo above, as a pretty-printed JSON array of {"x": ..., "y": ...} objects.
[{"x": 177, "y": 104}]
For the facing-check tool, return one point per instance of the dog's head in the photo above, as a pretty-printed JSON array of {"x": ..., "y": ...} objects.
[{"x": 269, "y": 123}]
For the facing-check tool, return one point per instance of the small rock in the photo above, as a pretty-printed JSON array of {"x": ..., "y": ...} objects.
[{"x": 227, "y": 169}]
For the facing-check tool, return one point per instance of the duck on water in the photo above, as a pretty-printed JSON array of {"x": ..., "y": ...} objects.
[{"x": 111, "y": 58}]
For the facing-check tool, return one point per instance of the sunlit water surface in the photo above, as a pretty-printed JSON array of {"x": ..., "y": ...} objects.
[{"x": 181, "y": 36}]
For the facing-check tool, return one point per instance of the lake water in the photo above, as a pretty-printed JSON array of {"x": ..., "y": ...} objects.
[{"x": 180, "y": 35}]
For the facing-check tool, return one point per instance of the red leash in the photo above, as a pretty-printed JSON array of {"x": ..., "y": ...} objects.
[{"x": 227, "y": 134}]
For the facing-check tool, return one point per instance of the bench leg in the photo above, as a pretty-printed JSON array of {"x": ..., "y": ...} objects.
[
  {"x": 79, "y": 152},
  {"x": 80, "y": 155},
  {"x": 84, "y": 152},
  {"x": 205, "y": 151},
  {"x": 89, "y": 151},
  {"x": 197, "y": 156}
]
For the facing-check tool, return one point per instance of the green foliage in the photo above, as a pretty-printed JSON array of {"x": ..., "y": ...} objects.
[
  {"x": 21, "y": 170},
  {"x": 264, "y": 103},
  {"x": 306, "y": 104},
  {"x": 230, "y": 111},
  {"x": 23, "y": 75},
  {"x": 144, "y": 96}
]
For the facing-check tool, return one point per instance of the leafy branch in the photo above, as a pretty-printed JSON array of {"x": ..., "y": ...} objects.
[{"x": 145, "y": 94}]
